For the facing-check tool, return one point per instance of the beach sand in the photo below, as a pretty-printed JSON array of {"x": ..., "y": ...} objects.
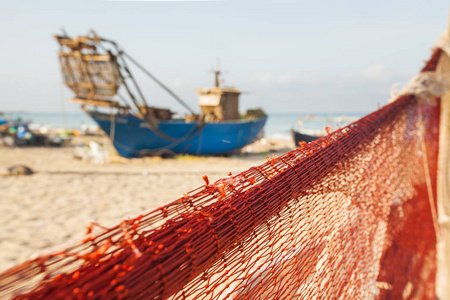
[{"x": 56, "y": 204}]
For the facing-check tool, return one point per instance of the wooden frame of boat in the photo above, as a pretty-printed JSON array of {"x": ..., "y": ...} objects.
[{"x": 103, "y": 103}]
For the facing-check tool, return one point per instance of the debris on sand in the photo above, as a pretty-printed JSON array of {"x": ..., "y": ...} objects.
[{"x": 17, "y": 170}]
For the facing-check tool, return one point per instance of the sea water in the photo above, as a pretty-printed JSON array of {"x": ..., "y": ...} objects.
[
  {"x": 278, "y": 126},
  {"x": 52, "y": 120}
]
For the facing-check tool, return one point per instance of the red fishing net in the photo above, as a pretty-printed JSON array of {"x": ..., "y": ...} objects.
[{"x": 349, "y": 216}]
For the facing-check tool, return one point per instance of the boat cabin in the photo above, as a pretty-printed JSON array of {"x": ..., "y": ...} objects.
[{"x": 219, "y": 104}]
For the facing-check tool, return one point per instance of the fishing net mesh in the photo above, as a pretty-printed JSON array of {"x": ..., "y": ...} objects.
[{"x": 349, "y": 216}]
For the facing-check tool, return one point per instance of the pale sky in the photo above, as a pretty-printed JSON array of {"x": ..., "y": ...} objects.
[{"x": 290, "y": 56}]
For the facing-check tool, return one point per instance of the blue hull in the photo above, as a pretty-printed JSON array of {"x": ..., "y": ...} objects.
[{"x": 132, "y": 137}]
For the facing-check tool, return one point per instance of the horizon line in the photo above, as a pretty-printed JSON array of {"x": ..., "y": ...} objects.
[{"x": 163, "y": 0}]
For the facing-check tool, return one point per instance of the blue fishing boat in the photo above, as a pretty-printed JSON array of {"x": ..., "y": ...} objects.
[{"x": 96, "y": 68}]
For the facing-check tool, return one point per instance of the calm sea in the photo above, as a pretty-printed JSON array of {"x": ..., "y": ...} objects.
[{"x": 277, "y": 126}]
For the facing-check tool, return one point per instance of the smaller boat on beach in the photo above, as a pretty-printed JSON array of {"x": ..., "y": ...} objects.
[
  {"x": 302, "y": 137},
  {"x": 97, "y": 70},
  {"x": 308, "y": 127},
  {"x": 298, "y": 136}
]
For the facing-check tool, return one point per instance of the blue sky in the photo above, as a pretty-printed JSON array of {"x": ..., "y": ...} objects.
[{"x": 289, "y": 56}]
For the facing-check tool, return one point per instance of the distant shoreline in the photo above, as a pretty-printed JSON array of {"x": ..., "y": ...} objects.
[{"x": 278, "y": 125}]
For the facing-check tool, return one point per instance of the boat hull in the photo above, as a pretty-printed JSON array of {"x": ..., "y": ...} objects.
[
  {"x": 301, "y": 137},
  {"x": 132, "y": 137}
]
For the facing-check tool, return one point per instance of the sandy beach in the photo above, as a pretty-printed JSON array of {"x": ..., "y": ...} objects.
[{"x": 56, "y": 203}]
